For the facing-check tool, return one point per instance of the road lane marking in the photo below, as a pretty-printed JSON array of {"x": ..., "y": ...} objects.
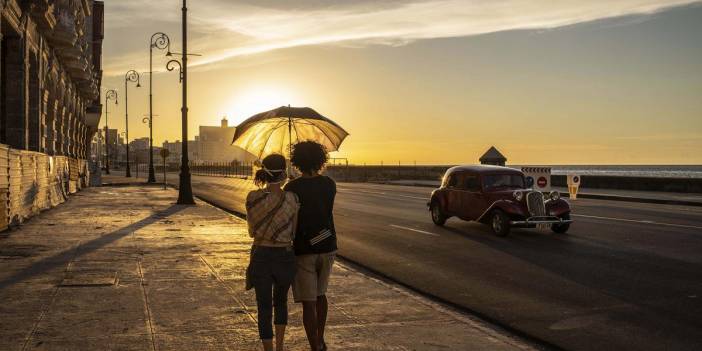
[
  {"x": 383, "y": 194},
  {"x": 640, "y": 221},
  {"x": 414, "y": 230}
]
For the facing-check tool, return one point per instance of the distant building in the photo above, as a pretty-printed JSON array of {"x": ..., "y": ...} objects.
[
  {"x": 113, "y": 137},
  {"x": 493, "y": 157},
  {"x": 174, "y": 150},
  {"x": 215, "y": 144},
  {"x": 97, "y": 147},
  {"x": 139, "y": 144}
]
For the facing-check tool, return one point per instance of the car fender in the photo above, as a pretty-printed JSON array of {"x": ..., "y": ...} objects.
[
  {"x": 437, "y": 196},
  {"x": 511, "y": 208},
  {"x": 557, "y": 207}
]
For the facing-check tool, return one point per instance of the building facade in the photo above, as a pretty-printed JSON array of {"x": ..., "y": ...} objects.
[
  {"x": 139, "y": 144},
  {"x": 215, "y": 144},
  {"x": 50, "y": 75},
  {"x": 175, "y": 148}
]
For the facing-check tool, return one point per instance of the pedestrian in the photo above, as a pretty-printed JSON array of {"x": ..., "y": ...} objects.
[
  {"x": 272, "y": 219},
  {"x": 315, "y": 238}
]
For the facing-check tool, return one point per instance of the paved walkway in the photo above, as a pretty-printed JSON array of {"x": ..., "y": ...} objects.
[{"x": 123, "y": 268}]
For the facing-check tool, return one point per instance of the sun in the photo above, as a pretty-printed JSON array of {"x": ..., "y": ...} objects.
[{"x": 258, "y": 99}]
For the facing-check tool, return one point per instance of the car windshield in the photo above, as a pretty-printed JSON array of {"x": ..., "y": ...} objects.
[{"x": 494, "y": 181}]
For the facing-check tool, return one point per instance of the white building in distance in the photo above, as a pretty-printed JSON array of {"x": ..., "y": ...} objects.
[{"x": 215, "y": 145}]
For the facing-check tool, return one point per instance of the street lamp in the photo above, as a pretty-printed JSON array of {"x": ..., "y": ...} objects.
[
  {"x": 147, "y": 120},
  {"x": 131, "y": 76},
  {"x": 162, "y": 42},
  {"x": 185, "y": 190},
  {"x": 111, "y": 94}
]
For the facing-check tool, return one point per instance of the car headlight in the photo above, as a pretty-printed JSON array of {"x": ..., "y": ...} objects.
[
  {"x": 555, "y": 195},
  {"x": 518, "y": 195}
]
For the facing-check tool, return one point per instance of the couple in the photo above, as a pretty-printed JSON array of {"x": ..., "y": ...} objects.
[{"x": 294, "y": 243}]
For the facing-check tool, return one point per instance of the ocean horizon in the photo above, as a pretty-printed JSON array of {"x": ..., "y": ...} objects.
[{"x": 658, "y": 171}]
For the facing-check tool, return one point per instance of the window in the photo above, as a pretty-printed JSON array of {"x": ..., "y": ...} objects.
[
  {"x": 506, "y": 181},
  {"x": 471, "y": 182},
  {"x": 452, "y": 181}
]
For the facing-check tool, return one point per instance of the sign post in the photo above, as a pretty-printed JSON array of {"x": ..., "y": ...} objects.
[
  {"x": 573, "y": 185},
  {"x": 538, "y": 178},
  {"x": 164, "y": 154}
]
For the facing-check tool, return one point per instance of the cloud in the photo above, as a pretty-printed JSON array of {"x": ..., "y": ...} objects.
[{"x": 223, "y": 29}]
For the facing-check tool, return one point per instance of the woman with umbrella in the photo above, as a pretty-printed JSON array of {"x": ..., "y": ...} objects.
[{"x": 315, "y": 234}]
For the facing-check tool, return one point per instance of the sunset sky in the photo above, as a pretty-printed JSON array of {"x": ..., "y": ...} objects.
[{"x": 432, "y": 81}]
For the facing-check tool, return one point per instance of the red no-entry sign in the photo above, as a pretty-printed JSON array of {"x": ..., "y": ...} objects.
[{"x": 542, "y": 182}]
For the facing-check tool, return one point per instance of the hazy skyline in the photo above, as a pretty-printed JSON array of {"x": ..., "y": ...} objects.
[{"x": 433, "y": 81}]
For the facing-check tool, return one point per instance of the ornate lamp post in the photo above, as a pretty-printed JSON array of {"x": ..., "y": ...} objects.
[
  {"x": 185, "y": 190},
  {"x": 111, "y": 94},
  {"x": 131, "y": 76},
  {"x": 159, "y": 41}
]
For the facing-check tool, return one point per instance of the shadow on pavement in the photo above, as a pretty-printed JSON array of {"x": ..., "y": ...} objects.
[{"x": 62, "y": 258}]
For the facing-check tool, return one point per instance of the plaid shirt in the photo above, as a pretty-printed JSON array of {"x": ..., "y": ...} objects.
[{"x": 271, "y": 216}]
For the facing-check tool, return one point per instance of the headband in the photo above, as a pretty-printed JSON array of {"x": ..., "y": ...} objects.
[{"x": 270, "y": 171}]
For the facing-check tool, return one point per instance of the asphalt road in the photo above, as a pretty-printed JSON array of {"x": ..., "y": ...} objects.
[{"x": 627, "y": 276}]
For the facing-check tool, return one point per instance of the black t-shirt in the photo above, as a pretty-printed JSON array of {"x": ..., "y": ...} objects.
[{"x": 315, "y": 232}]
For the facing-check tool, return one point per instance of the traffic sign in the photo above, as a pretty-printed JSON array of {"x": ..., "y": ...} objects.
[
  {"x": 542, "y": 182},
  {"x": 164, "y": 153}
]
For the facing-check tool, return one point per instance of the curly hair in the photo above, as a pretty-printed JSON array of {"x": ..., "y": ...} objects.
[{"x": 309, "y": 156}]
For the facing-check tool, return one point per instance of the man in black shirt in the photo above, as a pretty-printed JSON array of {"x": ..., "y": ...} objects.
[{"x": 315, "y": 238}]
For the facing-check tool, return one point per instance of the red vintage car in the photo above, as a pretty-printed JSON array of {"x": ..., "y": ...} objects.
[{"x": 497, "y": 196}]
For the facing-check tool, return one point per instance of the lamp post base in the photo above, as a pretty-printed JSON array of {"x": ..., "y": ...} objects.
[
  {"x": 185, "y": 190},
  {"x": 128, "y": 172},
  {"x": 152, "y": 174}
]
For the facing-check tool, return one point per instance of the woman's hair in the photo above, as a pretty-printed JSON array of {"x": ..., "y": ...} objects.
[
  {"x": 309, "y": 156},
  {"x": 272, "y": 170}
]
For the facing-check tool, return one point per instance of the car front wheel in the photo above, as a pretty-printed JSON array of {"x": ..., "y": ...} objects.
[
  {"x": 437, "y": 216},
  {"x": 561, "y": 228},
  {"x": 500, "y": 223}
]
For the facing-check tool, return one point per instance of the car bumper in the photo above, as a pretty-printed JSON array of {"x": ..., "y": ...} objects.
[{"x": 531, "y": 221}]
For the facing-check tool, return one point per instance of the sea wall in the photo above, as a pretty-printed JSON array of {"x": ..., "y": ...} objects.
[
  {"x": 31, "y": 182},
  {"x": 396, "y": 172},
  {"x": 676, "y": 185}
]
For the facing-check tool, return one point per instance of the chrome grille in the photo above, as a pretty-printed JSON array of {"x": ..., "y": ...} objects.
[{"x": 535, "y": 203}]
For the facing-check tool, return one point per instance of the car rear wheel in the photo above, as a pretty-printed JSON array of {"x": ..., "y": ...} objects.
[
  {"x": 437, "y": 216},
  {"x": 499, "y": 222},
  {"x": 561, "y": 228}
]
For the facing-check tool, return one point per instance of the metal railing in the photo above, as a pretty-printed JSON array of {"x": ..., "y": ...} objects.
[{"x": 201, "y": 168}]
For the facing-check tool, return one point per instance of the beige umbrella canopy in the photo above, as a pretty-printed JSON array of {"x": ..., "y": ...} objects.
[{"x": 276, "y": 130}]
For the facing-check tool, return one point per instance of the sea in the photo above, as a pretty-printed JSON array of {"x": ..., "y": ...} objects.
[{"x": 663, "y": 171}]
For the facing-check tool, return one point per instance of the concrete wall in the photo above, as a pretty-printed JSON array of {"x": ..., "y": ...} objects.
[
  {"x": 31, "y": 182},
  {"x": 395, "y": 172},
  {"x": 676, "y": 185}
]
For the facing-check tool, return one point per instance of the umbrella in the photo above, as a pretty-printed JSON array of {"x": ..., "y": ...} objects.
[{"x": 276, "y": 130}]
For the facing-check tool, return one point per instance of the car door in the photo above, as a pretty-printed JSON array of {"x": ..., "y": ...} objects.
[
  {"x": 453, "y": 192},
  {"x": 472, "y": 198}
]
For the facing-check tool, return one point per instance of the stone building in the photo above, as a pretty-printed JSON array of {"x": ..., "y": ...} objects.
[
  {"x": 215, "y": 144},
  {"x": 50, "y": 75},
  {"x": 175, "y": 148}
]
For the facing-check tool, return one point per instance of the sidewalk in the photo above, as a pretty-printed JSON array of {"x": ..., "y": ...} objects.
[{"x": 123, "y": 268}]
